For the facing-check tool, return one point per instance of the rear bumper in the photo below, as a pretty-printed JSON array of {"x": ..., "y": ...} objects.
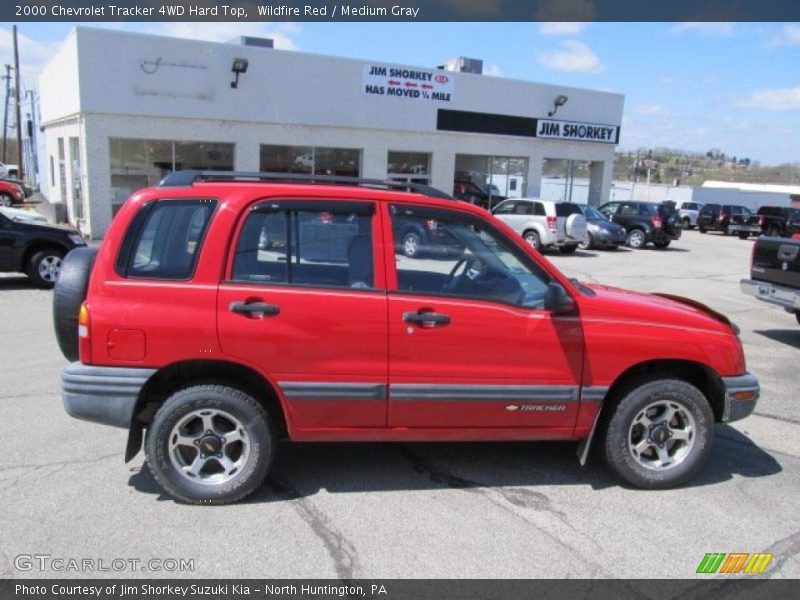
[
  {"x": 740, "y": 228},
  {"x": 106, "y": 395},
  {"x": 741, "y": 396},
  {"x": 788, "y": 298}
]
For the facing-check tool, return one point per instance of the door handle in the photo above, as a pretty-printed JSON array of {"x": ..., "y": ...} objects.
[
  {"x": 426, "y": 319},
  {"x": 256, "y": 310}
]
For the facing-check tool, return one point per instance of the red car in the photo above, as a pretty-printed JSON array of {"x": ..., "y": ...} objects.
[
  {"x": 192, "y": 329},
  {"x": 11, "y": 193}
]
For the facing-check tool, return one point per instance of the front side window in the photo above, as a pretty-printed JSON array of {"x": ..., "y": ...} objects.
[
  {"x": 463, "y": 256},
  {"x": 165, "y": 239},
  {"x": 307, "y": 243}
]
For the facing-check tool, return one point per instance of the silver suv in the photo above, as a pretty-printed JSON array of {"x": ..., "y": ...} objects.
[
  {"x": 544, "y": 223},
  {"x": 688, "y": 212}
]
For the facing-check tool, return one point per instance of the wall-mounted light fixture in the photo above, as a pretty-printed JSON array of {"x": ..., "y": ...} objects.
[
  {"x": 559, "y": 101},
  {"x": 239, "y": 67}
]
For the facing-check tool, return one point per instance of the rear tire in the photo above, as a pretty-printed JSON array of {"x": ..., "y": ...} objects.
[
  {"x": 687, "y": 223},
  {"x": 701, "y": 229},
  {"x": 533, "y": 239},
  {"x": 411, "y": 244},
  {"x": 568, "y": 249},
  {"x": 659, "y": 435},
  {"x": 636, "y": 239},
  {"x": 6, "y": 200},
  {"x": 44, "y": 266},
  {"x": 662, "y": 245},
  {"x": 726, "y": 230},
  {"x": 743, "y": 235},
  {"x": 210, "y": 444},
  {"x": 797, "y": 317},
  {"x": 773, "y": 231}
]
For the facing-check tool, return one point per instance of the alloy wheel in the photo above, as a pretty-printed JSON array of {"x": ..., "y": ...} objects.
[
  {"x": 49, "y": 267},
  {"x": 662, "y": 435}
]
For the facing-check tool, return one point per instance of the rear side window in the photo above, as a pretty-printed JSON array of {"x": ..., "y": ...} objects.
[
  {"x": 307, "y": 243},
  {"x": 710, "y": 208},
  {"x": 165, "y": 238},
  {"x": 565, "y": 209},
  {"x": 538, "y": 209}
]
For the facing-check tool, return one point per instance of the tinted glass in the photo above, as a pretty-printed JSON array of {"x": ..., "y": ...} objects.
[
  {"x": 592, "y": 213},
  {"x": 169, "y": 239},
  {"x": 462, "y": 256},
  {"x": 506, "y": 208},
  {"x": 538, "y": 209},
  {"x": 326, "y": 247},
  {"x": 609, "y": 209},
  {"x": 565, "y": 209},
  {"x": 628, "y": 210},
  {"x": 710, "y": 208}
]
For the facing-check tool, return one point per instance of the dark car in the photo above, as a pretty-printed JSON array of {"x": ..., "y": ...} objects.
[
  {"x": 727, "y": 218},
  {"x": 466, "y": 189},
  {"x": 601, "y": 232},
  {"x": 644, "y": 222},
  {"x": 28, "y": 244},
  {"x": 415, "y": 238},
  {"x": 774, "y": 221}
]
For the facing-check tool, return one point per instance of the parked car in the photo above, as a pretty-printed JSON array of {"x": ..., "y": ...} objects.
[
  {"x": 774, "y": 220},
  {"x": 544, "y": 223},
  {"x": 217, "y": 348},
  {"x": 727, "y": 218},
  {"x": 11, "y": 193},
  {"x": 688, "y": 212},
  {"x": 28, "y": 244},
  {"x": 7, "y": 170},
  {"x": 775, "y": 273},
  {"x": 25, "y": 187},
  {"x": 644, "y": 222},
  {"x": 464, "y": 188},
  {"x": 601, "y": 232}
]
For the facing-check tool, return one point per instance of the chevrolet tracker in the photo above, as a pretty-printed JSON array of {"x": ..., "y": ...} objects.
[{"x": 226, "y": 311}]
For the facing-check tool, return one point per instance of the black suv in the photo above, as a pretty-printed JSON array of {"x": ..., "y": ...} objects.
[
  {"x": 721, "y": 217},
  {"x": 644, "y": 222},
  {"x": 776, "y": 221},
  {"x": 28, "y": 244}
]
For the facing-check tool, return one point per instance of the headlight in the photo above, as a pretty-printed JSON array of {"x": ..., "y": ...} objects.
[{"x": 76, "y": 238}]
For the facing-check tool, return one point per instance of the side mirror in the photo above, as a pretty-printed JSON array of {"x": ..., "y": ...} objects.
[{"x": 557, "y": 300}]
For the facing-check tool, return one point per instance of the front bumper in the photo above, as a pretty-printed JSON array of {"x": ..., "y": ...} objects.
[
  {"x": 788, "y": 298},
  {"x": 106, "y": 395},
  {"x": 609, "y": 238},
  {"x": 741, "y": 396}
]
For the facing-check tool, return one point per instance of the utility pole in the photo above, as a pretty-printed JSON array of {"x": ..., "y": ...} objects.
[
  {"x": 21, "y": 174},
  {"x": 5, "y": 111}
]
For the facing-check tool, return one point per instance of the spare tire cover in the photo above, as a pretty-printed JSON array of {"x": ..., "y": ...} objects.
[
  {"x": 576, "y": 227},
  {"x": 68, "y": 295}
]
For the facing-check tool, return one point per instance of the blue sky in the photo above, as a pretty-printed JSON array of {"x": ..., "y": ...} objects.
[{"x": 694, "y": 86}]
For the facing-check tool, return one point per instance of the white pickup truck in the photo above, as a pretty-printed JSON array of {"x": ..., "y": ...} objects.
[{"x": 9, "y": 170}]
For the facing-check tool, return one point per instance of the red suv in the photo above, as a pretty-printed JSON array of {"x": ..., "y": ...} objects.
[{"x": 188, "y": 326}]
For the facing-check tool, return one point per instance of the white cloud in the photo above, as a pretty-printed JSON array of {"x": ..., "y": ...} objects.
[
  {"x": 493, "y": 71},
  {"x": 562, "y": 28},
  {"x": 574, "y": 56},
  {"x": 704, "y": 28},
  {"x": 33, "y": 55},
  {"x": 772, "y": 99},
  {"x": 651, "y": 110},
  {"x": 281, "y": 33},
  {"x": 789, "y": 35}
]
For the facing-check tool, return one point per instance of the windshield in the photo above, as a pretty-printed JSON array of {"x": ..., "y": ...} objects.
[{"x": 592, "y": 213}]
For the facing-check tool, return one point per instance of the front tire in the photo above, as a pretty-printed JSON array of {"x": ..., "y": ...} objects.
[
  {"x": 701, "y": 229},
  {"x": 743, "y": 235},
  {"x": 44, "y": 266},
  {"x": 6, "y": 200},
  {"x": 588, "y": 242},
  {"x": 662, "y": 245},
  {"x": 636, "y": 239},
  {"x": 568, "y": 249},
  {"x": 210, "y": 444},
  {"x": 659, "y": 434}
]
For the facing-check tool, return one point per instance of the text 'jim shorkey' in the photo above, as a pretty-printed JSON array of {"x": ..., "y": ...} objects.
[{"x": 734, "y": 562}]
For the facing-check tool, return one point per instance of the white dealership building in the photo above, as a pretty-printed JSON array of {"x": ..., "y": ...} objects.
[{"x": 120, "y": 110}]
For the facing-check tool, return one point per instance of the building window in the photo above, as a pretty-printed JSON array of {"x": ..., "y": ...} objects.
[
  {"x": 62, "y": 170},
  {"x": 310, "y": 160},
  {"x": 136, "y": 164},
  {"x": 414, "y": 167},
  {"x": 75, "y": 172},
  {"x": 52, "y": 172},
  {"x": 487, "y": 180}
]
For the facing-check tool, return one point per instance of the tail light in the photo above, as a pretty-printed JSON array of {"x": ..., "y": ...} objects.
[
  {"x": 761, "y": 221},
  {"x": 752, "y": 257},
  {"x": 431, "y": 225},
  {"x": 84, "y": 341},
  {"x": 723, "y": 216},
  {"x": 656, "y": 221},
  {"x": 551, "y": 223},
  {"x": 326, "y": 217}
]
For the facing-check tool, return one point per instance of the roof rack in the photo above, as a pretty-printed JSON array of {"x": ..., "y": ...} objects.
[{"x": 185, "y": 178}]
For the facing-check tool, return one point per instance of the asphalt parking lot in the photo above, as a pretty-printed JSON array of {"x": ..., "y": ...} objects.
[{"x": 406, "y": 510}]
